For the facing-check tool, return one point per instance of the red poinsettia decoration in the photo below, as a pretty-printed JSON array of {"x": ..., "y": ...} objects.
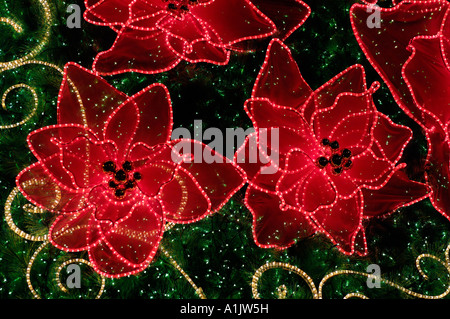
[
  {"x": 410, "y": 50},
  {"x": 155, "y": 35},
  {"x": 112, "y": 175},
  {"x": 337, "y": 157}
]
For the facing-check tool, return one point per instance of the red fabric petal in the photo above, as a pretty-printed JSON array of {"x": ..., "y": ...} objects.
[
  {"x": 155, "y": 113},
  {"x": 367, "y": 170},
  {"x": 398, "y": 192},
  {"x": 110, "y": 209},
  {"x": 150, "y": 55},
  {"x": 341, "y": 222},
  {"x": 107, "y": 12},
  {"x": 428, "y": 75},
  {"x": 183, "y": 200},
  {"x": 39, "y": 188},
  {"x": 386, "y": 47},
  {"x": 273, "y": 227},
  {"x": 187, "y": 29},
  {"x": 217, "y": 176},
  {"x": 279, "y": 79},
  {"x": 194, "y": 40},
  {"x": 44, "y": 142},
  {"x": 303, "y": 185},
  {"x": 135, "y": 239},
  {"x": 288, "y": 15},
  {"x": 154, "y": 175},
  {"x": 121, "y": 127},
  {"x": 84, "y": 159},
  {"x": 200, "y": 51},
  {"x": 144, "y": 15},
  {"x": 75, "y": 232},
  {"x": 390, "y": 139},
  {"x": 292, "y": 129},
  {"x": 262, "y": 172},
  {"x": 351, "y": 80},
  {"x": 221, "y": 16},
  {"x": 350, "y": 122},
  {"x": 55, "y": 170},
  {"x": 98, "y": 98}
]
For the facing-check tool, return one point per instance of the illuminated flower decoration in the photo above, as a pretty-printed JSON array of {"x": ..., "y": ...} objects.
[
  {"x": 113, "y": 176},
  {"x": 410, "y": 50},
  {"x": 155, "y": 35},
  {"x": 337, "y": 157}
]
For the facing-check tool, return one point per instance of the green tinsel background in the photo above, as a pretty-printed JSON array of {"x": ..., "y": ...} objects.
[{"x": 218, "y": 253}]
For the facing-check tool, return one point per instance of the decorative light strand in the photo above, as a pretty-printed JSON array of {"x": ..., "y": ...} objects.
[
  {"x": 18, "y": 64},
  {"x": 28, "y": 272},
  {"x": 10, "y": 221},
  {"x": 83, "y": 261},
  {"x": 48, "y": 21},
  {"x": 198, "y": 290},
  {"x": 33, "y": 111},
  {"x": 282, "y": 289},
  {"x": 318, "y": 293},
  {"x": 17, "y": 27}
]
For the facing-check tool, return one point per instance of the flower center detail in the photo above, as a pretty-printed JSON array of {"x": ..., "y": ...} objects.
[
  {"x": 180, "y": 6},
  {"x": 122, "y": 179},
  {"x": 339, "y": 160}
]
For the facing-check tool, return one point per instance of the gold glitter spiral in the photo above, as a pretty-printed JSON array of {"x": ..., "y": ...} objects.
[
  {"x": 318, "y": 293},
  {"x": 47, "y": 21}
]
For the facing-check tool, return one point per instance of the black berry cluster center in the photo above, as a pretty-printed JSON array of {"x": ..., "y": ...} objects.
[
  {"x": 123, "y": 179},
  {"x": 180, "y": 6},
  {"x": 339, "y": 159}
]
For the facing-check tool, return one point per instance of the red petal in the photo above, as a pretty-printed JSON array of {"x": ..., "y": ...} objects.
[
  {"x": 288, "y": 15},
  {"x": 368, "y": 171},
  {"x": 155, "y": 113},
  {"x": 183, "y": 200},
  {"x": 293, "y": 131},
  {"x": 42, "y": 190},
  {"x": 341, "y": 222},
  {"x": 98, "y": 98},
  {"x": 154, "y": 175},
  {"x": 107, "y": 12},
  {"x": 110, "y": 209},
  {"x": 150, "y": 55},
  {"x": 84, "y": 159},
  {"x": 279, "y": 79},
  {"x": 121, "y": 127},
  {"x": 217, "y": 176},
  {"x": 135, "y": 239},
  {"x": 351, "y": 80},
  {"x": 200, "y": 51},
  {"x": 144, "y": 16},
  {"x": 75, "y": 232},
  {"x": 187, "y": 29},
  {"x": 427, "y": 73},
  {"x": 303, "y": 185},
  {"x": 386, "y": 47},
  {"x": 398, "y": 192},
  {"x": 43, "y": 142},
  {"x": 272, "y": 227},
  {"x": 221, "y": 16},
  {"x": 390, "y": 139},
  {"x": 262, "y": 173},
  {"x": 58, "y": 174},
  {"x": 350, "y": 122}
]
